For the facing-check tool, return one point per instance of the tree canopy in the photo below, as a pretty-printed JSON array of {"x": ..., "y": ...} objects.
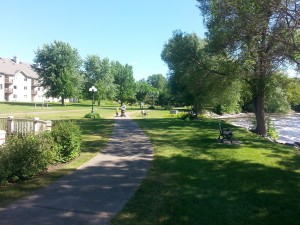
[
  {"x": 197, "y": 77},
  {"x": 58, "y": 65},
  {"x": 125, "y": 81},
  {"x": 259, "y": 34},
  {"x": 143, "y": 89},
  {"x": 99, "y": 73}
]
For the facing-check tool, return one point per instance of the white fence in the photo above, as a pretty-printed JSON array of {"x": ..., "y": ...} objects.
[{"x": 23, "y": 126}]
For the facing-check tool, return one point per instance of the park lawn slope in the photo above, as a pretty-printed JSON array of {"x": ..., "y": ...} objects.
[{"x": 196, "y": 180}]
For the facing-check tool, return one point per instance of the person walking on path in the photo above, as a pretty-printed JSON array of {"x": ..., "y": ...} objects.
[{"x": 95, "y": 192}]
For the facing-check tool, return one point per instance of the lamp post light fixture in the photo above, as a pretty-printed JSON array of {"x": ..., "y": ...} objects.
[{"x": 93, "y": 90}]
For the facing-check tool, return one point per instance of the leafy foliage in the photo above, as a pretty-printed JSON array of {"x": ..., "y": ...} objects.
[
  {"x": 160, "y": 85},
  {"x": 158, "y": 81},
  {"x": 124, "y": 80},
  {"x": 271, "y": 130},
  {"x": 58, "y": 66},
  {"x": 197, "y": 77},
  {"x": 143, "y": 89},
  {"x": 260, "y": 35},
  {"x": 67, "y": 135},
  {"x": 24, "y": 156},
  {"x": 293, "y": 93},
  {"x": 99, "y": 73},
  {"x": 92, "y": 115}
]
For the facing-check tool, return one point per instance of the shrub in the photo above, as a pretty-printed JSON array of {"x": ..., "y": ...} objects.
[
  {"x": 67, "y": 136},
  {"x": 183, "y": 115},
  {"x": 271, "y": 130},
  {"x": 4, "y": 164},
  {"x": 168, "y": 107},
  {"x": 24, "y": 156},
  {"x": 92, "y": 115},
  {"x": 219, "y": 109}
]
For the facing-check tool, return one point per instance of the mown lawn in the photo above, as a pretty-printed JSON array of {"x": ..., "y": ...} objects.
[
  {"x": 54, "y": 111},
  {"x": 196, "y": 180}
]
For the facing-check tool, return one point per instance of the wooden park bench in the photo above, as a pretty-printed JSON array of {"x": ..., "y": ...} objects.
[
  {"x": 225, "y": 133},
  {"x": 193, "y": 115}
]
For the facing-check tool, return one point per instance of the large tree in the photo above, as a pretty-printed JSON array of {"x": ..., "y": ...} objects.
[
  {"x": 157, "y": 81},
  {"x": 98, "y": 73},
  {"x": 196, "y": 77},
  {"x": 260, "y": 34},
  {"x": 143, "y": 89},
  {"x": 124, "y": 80},
  {"x": 160, "y": 83},
  {"x": 58, "y": 65}
]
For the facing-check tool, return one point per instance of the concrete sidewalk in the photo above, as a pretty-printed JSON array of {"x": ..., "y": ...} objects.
[{"x": 95, "y": 192}]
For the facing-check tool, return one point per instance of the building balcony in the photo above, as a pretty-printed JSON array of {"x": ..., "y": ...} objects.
[
  {"x": 33, "y": 92},
  {"x": 8, "y": 81},
  {"x": 8, "y": 90},
  {"x": 34, "y": 83}
]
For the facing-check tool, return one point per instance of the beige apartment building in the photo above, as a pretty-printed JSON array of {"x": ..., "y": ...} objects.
[{"x": 19, "y": 82}]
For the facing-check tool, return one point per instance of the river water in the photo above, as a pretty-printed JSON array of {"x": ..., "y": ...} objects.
[{"x": 288, "y": 126}]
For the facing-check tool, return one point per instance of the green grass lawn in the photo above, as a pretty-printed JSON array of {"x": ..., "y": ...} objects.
[
  {"x": 55, "y": 111},
  {"x": 196, "y": 180}
]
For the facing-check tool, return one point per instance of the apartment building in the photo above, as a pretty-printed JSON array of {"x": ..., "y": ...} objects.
[{"x": 19, "y": 82}]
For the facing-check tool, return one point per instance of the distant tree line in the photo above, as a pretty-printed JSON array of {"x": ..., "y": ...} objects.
[{"x": 65, "y": 75}]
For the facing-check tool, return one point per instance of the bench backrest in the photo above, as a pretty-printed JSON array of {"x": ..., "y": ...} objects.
[{"x": 220, "y": 128}]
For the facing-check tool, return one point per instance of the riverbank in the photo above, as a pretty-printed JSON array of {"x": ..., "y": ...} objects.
[
  {"x": 287, "y": 125},
  {"x": 225, "y": 116}
]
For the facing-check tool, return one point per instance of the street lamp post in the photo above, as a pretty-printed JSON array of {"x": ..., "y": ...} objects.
[{"x": 93, "y": 90}]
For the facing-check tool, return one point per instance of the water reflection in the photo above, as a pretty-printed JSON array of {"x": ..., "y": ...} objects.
[{"x": 288, "y": 126}]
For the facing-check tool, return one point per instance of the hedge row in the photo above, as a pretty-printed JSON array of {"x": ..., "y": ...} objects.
[{"x": 22, "y": 157}]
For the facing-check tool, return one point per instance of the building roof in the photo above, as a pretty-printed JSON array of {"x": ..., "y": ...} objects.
[{"x": 12, "y": 66}]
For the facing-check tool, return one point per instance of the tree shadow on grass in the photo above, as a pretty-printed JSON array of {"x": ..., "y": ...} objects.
[
  {"x": 183, "y": 190},
  {"x": 201, "y": 135},
  {"x": 204, "y": 182}
]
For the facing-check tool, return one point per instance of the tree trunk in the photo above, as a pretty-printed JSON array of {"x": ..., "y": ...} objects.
[
  {"x": 62, "y": 101},
  {"x": 259, "y": 99},
  {"x": 260, "y": 115}
]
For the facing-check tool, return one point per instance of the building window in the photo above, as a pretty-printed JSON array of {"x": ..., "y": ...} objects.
[
  {"x": 15, "y": 96},
  {"x": 25, "y": 96},
  {"x": 15, "y": 87},
  {"x": 1, "y": 86},
  {"x": 25, "y": 78},
  {"x": 25, "y": 87}
]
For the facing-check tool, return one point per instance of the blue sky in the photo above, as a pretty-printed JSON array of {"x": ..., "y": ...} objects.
[{"x": 130, "y": 31}]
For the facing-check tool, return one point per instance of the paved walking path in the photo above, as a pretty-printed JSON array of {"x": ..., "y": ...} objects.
[{"x": 96, "y": 191}]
